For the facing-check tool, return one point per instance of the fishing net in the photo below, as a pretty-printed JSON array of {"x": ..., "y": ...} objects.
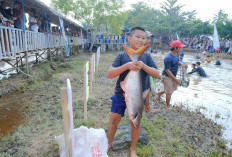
[{"x": 184, "y": 77}]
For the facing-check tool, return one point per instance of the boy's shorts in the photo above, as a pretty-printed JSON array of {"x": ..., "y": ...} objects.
[{"x": 119, "y": 105}]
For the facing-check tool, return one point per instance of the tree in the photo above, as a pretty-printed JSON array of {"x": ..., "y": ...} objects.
[
  {"x": 224, "y": 24},
  {"x": 141, "y": 15},
  {"x": 221, "y": 16},
  {"x": 191, "y": 15},
  {"x": 92, "y": 13},
  {"x": 195, "y": 28},
  {"x": 172, "y": 13}
]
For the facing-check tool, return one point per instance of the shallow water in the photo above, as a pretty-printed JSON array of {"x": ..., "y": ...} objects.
[{"x": 212, "y": 96}]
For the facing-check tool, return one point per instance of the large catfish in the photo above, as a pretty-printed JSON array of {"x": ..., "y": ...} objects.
[{"x": 132, "y": 86}]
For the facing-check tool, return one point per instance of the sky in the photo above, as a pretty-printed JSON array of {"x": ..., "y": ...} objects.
[{"x": 205, "y": 9}]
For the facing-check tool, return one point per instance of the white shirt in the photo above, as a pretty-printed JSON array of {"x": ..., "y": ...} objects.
[
  {"x": 35, "y": 27},
  {"x": 231, "y": 44}
]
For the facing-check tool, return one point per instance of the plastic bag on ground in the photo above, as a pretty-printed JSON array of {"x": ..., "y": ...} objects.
[{"x": 88, "y": 142}]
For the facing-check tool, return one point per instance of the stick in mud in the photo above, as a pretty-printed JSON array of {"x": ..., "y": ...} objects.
[
  {"x": 92, "y": 74},
  {"x": 66, "y": 117},
  {"x": 86, "y": 89}
]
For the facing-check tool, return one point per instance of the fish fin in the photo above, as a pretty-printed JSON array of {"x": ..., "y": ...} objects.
[
  {"x": 142, "y": 49},
  {"x": 136, "y": 120},
  {"x": 145, "y": 93},
  {"x": 123, "y": 85}
]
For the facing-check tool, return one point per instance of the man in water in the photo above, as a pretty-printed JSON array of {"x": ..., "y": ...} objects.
[
  {"x": 199, "y": 69},
  {"x": 198, "y": 56},
  {"x": 171, "y": 63},
  {"x": 218, "y": 62},
  {"x": 193, "y": 66}
]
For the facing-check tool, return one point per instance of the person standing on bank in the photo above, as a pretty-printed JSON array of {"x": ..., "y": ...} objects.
[
  {"x": 148, "y": 108},
  {"x": 171, "y": 63},
  {"x": 121, "y": 67}
]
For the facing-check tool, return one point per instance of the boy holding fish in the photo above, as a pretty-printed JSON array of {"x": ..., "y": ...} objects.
[{"x": 133, "y": 68}]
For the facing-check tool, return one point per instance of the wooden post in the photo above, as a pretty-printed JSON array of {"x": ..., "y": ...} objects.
[
  {"x": 17, "y": 64},
  {"x": 85, "y": 93},
  {"x": 66, "y": 117},
  {"x": 92, "y": 74}
]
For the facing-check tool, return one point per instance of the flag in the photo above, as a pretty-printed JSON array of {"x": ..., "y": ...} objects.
[
  {"x": 98, "y": 55},
  {"x": 64, "y": 35},
  {"x": 70, "y": 107},
  {"x": 177, "y": 37},
  {"x": 216, "y": 45}
]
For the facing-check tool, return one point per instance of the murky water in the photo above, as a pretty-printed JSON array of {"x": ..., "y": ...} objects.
[
  {"x": 12, "y": 111},
  {"x": 211, "y": 95}
]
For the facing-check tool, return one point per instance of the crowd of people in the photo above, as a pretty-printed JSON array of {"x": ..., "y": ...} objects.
[
  {"x": 104, "y": 38},
  {"x": 13, "y": 17},
  {"x": 202, "y": 44}
]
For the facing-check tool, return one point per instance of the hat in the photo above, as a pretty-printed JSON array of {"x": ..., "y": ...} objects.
[
  {"x": 148, "y": 34},
  {"x": 177, "y": 43},
  {"x": 199, "y": 63}
]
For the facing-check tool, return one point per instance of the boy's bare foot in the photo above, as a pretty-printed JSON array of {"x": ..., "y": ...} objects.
[
  {"x": 150, "y": 110},
  {"x": 133, "y": 153},
  {"x": 169, "y": 107},
  {"x": 109, "y": 146}
]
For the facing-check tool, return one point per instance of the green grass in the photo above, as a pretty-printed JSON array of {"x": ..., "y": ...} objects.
[{"x": 167, "y": 140}]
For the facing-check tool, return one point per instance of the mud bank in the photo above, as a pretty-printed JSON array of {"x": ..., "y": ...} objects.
[{"x": 176, "y": 132}]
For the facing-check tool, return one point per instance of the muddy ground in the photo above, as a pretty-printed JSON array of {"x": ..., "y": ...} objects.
[{"x": 31, "y": 115}]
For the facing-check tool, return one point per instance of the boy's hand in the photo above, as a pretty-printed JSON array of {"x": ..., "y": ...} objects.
[
  {"x": 140, "y": 64},
  {"x": 178, "y": 82},
  {"x": 132, "y": 66}
]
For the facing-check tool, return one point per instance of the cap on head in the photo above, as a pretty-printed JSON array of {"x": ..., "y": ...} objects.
[
  {"x": 199, "y": 63},
  {"x": 177, "y": 43},
  {"x": 194, "y": 64},
  {"x": 148, "y": 34}
]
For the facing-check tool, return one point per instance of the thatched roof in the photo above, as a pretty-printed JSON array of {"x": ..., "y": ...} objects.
[{"x": 53, "y": 14}]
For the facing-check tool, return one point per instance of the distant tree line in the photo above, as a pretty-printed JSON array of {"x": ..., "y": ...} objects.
[{"x": 167, "y": 21}]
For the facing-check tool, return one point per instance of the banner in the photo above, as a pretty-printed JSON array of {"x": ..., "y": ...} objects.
[
  {"x": 70, "y": 107},
  {"x": 94, "y": 56},
  {"x": 216, "y": 44},
  {"x": 92, "y": 67},
  {"x": 98, "y": 55},
  {"x": 64, "y": 35}
]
